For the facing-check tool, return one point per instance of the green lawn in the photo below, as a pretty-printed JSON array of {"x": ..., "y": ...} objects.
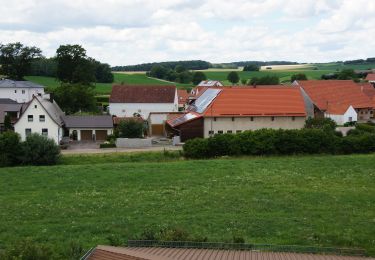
[
  {"x": 311, "y": 200},
  {"x": 105, "y": 88}
]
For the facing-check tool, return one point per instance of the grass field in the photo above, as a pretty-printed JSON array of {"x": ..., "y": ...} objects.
[{"x": 312, "y": 200}]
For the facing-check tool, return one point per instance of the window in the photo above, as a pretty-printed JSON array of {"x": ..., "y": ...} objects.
[
  {"x": 232, "y": 118},
  {"x": 30, "y": 118},
  {"x": 214, "y": 118},
  {"x": 371, "y": 112},
  {"x": 23, "y": 91},
  {"x": 15, "y": 91},
  {"x": 272, "y": 118},
  {"x": 45, "y": 131},
  {"x": 28, "y": 131},
  {"x": 42, "y": 118},
  {"x": 350, "y": 119},
  {"x": 251, "y": 118},
  {"x": 35, "y": 106},
  {"x": 220, "y": 131},
  {"x": 229, "y": 131},
  {"x": 210, "y": 132},
  {"x": 238, "y": 131},
  {"x": 293, "y": 118}
]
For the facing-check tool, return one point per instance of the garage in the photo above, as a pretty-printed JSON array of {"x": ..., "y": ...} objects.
[
  {"x": 86, "y": 135},
  {"x": 101, "y": 135},
  {"x": 157, "y": 129}
]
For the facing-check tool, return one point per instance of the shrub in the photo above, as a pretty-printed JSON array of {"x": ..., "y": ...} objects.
[
  {"x": 365, "y": 128},
  {"x": 39, "y": 150},
  {"x": 321, "y": 123},
  {"x": 107, "y": 145},
  {"x": 130, "y": 129},
  {"x": 10, "y": 148},
  {"x": 197, "y": 148},
  {"x": 28, "y": 250}
]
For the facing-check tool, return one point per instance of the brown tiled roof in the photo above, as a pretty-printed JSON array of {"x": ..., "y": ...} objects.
[
  {"x": 183, "y": 96},
  {"x": 157, "y": 253},
  {"x": 335, "y": 94},
  {"x": 370, "y": 77},
  {"x": 142, "y": 94}
]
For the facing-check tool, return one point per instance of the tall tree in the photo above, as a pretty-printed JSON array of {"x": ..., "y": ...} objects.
[
  {"x": 15, "y": 59},
  {"x": 69, "y": 58},
  {"x": 233, "y": 77},
  {"x": 198, "y": 76}
]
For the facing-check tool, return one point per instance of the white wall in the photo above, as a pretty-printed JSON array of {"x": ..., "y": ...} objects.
[
  {"x": 17, "y": 95},
  {"x": 342, "y": 119},
  {"x": 128, "y": 109},
  {"x": 158, "y": 119},
  {"x": 54, "y": 130},
  {"x": 244, "y": 123}
]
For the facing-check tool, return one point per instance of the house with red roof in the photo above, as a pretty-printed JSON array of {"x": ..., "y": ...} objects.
[
  {"x": 233, "y": 110},
  {"x": 141, "y": 100},
  {"x": 341, "y": 100},
  {"x": 371, "y": 78}
]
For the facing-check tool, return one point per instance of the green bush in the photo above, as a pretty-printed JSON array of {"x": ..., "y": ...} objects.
[
  {"x": 39, "y": 150},
  {"x": 279, "y": 142},
  {"x": 321, "y": 123},
  {"x": 10, "y": 149},
  {"x": 110, "y": 145},
  {"x": 130, "y": 129}
]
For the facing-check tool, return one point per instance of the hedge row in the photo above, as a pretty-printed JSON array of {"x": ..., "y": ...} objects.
[{"x": 279, "y": 142}]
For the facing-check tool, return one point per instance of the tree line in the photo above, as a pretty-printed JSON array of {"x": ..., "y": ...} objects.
[
  {"x": 178, "y": 74},
  {"x": 189, "y": 65}
]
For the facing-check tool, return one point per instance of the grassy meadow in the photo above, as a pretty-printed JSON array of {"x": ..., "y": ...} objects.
[{"x": 301, "y": 200}]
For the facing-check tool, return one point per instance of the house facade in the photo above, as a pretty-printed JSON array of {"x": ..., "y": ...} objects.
[
  {"x": 234, "y": 110},
  {"x": 43, "y": 116},
  {"x": 129, "y": 100},
  {"x": 11, "y": 108},
  {"x": 341, "y": 100},
  {"x": 20, "y": 91}
]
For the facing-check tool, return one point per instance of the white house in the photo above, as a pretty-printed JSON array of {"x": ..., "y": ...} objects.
[
  {"x": 19, "y": 91},
  {"x": 133, "y": 100},
  {"x": 42, "y": 116},
  {"x": 342, "y": 115}
]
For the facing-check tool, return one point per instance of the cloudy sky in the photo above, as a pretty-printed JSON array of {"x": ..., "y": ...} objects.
[{"x": 124, "y": 32}]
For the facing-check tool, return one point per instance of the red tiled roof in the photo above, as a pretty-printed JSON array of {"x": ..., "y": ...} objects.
[
  {"x": 370, "y": 77},
  {"x": 369, "y": 90},
  {"x": 335, "y": 95},
  {"x": 257, "y": 102},
  {"x": 142, "y": 94},
  {"x": 183, "y": 96}
]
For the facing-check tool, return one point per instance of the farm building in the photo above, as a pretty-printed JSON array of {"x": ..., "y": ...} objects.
[
  {"x": 11, "y": 108},
  {"x": 42, "y": 115},
  {"x": 88, "y": 128},
  {"x": 135, "y": 100},
  {"x": 19, "y": 91},
  {"x": 233, "y": 110},
  {"x": 341, "y": 100}
]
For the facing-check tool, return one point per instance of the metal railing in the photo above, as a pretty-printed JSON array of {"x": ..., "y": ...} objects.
[{"x": 252, "y": 247}]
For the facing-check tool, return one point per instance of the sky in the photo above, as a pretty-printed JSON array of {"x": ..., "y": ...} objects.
[{"x": 126, "y": 32}]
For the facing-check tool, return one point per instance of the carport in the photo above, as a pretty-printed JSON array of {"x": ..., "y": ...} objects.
[{"x": 89, "y": 128}]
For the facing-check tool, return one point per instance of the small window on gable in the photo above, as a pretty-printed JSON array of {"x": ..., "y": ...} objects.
[
  {"x": 35, "y": 106},
  {"x": 30, "y": 118}
]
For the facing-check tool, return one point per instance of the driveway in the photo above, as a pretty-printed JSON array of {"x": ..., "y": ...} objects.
[{"x": 93, "y": 148}]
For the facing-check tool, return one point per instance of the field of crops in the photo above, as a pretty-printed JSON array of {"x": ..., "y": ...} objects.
[{"x": 309, "y": 200}]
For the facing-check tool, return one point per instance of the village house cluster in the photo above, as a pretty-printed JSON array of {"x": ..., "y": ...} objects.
[{"x": 208, "y": 109}]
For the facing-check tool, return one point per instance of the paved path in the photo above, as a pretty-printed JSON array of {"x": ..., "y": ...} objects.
[{"x": 121, "y": 150}]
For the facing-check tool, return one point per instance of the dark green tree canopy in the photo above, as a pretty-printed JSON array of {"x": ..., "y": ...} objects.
[
  {"x": 233, "y": 77},
  {"x": 130, "y": 129},
  {"x": 266, "y": 80},
  {"x": 15, "y": 59},
  {"x": 251, "y": 67},
  {"x": 198, "y": 76},
  {"x": 298, "y": 76}
]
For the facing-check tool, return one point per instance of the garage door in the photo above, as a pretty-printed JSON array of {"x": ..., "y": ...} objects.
[
  {"x": 86, "y": 135},
  {"x": 101, "y": 135},
  {"x": 157, "y": 129}
]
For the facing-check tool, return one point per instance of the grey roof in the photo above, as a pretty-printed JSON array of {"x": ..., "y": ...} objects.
[
  {"x": 52, "y": 109},
  {"x": 104, "y": 121},
  {"x": 7, "y": 83},
  {"x": 7, "y": 101},
  {"x": 9, "y": 108}
]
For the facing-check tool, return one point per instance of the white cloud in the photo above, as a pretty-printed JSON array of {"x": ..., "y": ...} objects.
[{"x": 129, "y": 32}]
